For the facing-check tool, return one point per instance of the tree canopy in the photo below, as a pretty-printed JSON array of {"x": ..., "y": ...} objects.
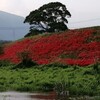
[{"x": 51, "y": 17}]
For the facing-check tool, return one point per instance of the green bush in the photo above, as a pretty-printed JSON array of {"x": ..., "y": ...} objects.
[
  {"x": 96, "y": 67},
  {"x": 26, "y": 60},
  {"x": 1, "y": 49}
]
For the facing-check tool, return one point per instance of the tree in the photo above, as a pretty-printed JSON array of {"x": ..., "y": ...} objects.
[{"x": 50, "y": 17}]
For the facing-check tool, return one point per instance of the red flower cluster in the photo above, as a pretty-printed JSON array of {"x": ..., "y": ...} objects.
[{"x": 75, "y": 47}]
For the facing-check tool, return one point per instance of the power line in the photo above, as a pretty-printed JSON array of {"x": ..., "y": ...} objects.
[
  {"x": 23, "y": 28},
  {"x": 82, "y": 21},
  {"x": 13, "y": 28}
]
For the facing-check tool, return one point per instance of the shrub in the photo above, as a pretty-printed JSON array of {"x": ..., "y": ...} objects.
[
  {"x": 1, "y": 49},
  {"x": 96, "y": 67},
  {"x": 26, "y": 60}
]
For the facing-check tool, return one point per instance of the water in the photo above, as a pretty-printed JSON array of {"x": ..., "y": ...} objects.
[
  {"x": 26, "y": 96},
  {"x": 39, "y": 96}
]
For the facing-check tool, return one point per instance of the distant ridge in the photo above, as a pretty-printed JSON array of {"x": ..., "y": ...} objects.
[
  {"x": 12, "y": 26},
  {"x": 9, "y": 13}
]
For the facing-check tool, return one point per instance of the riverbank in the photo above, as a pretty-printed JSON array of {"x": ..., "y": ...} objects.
[{"x": 79, "y": 80}]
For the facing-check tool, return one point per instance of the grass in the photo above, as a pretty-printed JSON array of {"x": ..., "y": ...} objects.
[{"x": 79, "y": 80}]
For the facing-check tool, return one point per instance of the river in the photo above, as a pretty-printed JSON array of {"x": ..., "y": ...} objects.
[
  {"x": 38, "y": 96},
  {"x": 26, "y": 96}
]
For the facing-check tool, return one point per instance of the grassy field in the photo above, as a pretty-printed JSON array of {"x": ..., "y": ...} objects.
[{"x": 79, "y": 80}]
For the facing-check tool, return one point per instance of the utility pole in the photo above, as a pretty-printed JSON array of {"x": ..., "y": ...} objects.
[{"x": 13, "y": 31}]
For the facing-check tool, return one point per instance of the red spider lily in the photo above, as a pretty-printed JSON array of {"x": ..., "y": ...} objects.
[{"x": 78, "y": 48}]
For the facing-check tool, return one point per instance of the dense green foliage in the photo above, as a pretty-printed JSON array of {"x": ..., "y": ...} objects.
[
  {"x": 50, "y": 17},
  {"x": 79, "y": 80}
]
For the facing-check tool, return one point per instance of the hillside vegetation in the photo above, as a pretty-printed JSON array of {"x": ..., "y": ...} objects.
[
  {"x": 74, "y": 47},
  {"x": 77, "y": 80},
  {"x": 51, "y": 62}
]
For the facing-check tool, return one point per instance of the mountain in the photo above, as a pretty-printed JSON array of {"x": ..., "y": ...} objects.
[
  {"x": 73, "y": 47},
  {"x": 12, "y": 26}
]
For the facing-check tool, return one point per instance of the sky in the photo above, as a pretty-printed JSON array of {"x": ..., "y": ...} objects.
[{"x": 84, "y": 12}]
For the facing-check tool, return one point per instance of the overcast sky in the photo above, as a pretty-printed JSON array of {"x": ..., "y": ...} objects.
[{"x": 86, "y": 12}]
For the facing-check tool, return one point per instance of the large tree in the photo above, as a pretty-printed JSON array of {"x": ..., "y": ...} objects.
[{"x": 50, "y": 17}]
